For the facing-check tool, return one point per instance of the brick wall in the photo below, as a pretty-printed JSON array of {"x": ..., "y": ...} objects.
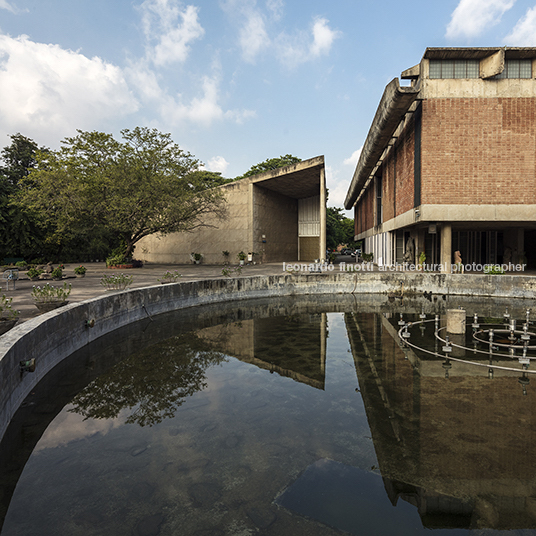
[
  {"x": 479, "y": 151},
  {"x": 364, "y": 212}
]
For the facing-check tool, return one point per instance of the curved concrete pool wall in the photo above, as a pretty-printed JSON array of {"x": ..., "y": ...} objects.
[{"x": 51, "y": 337}]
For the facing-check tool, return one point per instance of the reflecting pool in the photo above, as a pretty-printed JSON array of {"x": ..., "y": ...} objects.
[{"x": 300, "y": 417}]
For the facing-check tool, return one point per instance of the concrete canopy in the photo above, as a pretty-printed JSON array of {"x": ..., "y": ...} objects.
[{"x": 297, "y": 180}]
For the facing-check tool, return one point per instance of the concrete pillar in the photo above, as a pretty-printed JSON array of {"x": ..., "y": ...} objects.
[
  {"x": 323, "y": 239},
  {"x": 520, "y": 245},
  {"x": 446, "y": 247},
  {"x": 456, "y": 321}
]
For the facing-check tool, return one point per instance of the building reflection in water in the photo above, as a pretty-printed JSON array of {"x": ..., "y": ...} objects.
[
  {"x": 459, "y": 445},
  {"x": 293, "y": 346}
]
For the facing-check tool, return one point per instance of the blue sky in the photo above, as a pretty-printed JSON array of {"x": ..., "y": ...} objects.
[{"x": 234, "y": 81}]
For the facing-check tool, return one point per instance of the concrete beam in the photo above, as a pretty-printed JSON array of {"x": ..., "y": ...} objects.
[
  {"x": 393, "y": 106},
  {"x": 492, "y": 65}
]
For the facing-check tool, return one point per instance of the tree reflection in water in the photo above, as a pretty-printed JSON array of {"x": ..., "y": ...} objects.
[{"x": 152, "y": 383}]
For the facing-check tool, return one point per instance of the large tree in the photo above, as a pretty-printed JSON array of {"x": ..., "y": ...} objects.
[
  {"x": 21, "y": 236},
  {"x": 141, "y": 185},
  {"x": 339, "y": 228}
]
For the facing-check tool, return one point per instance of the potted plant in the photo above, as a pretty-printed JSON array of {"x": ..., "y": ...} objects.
[
  {"x": 57, "y": 274},
  {"x": 48, "y": 297},
  {"x": 34, "y": 273},
  {"x": 8, "y": 315},
  {"x": 170, "y": 277},
  {"x": 241, "y": 257},
  {"x": 196, "y": 257},
  {"x": 225, "y": 257},
  {"x": 80, "y": 271},
  {"x": 116, "y": 281}
]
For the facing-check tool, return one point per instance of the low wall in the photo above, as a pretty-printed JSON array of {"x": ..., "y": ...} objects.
[{"x": 51, "y": 337}]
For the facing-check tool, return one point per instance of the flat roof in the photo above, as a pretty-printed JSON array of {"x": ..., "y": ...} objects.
[{"x": 477, "y": 53}]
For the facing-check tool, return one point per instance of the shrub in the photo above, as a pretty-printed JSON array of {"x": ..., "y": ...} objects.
[
  {"x": 116, "y": 281},
  {"x": 6, "y": 310},
  {"x": 80, "y": 270},
  {"x": 48, "y": 293}
]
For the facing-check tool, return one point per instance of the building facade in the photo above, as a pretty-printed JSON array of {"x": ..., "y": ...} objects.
[
  {"x": 449, "y": 163},
  {"x": 279, "y": 215}
]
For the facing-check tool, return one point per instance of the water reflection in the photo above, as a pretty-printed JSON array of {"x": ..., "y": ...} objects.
[
  {"x": 458, "y": 446},
  {"x": 251, "y": 423}
]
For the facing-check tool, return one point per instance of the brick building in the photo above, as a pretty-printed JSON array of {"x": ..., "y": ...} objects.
[{"x": 449, "y": 162}]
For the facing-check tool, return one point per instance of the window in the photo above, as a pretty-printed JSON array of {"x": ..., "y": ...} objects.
[
  {"x": 454, "y": 68},
  {"x": 516, "y": 69}
]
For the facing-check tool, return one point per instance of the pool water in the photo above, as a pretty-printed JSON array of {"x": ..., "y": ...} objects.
[{"x": 277, "y": 421}]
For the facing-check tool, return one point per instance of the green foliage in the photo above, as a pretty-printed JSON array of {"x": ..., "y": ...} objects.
[
  {"x": 6, "y": 309},
  {"x": 116, "y": 260},
  {"x": 493, "y": 269},
  {"x": 48, "y": 293},
  {"x": 368, "y": 257},
  {"x": 57, "y": 273},
  {"x": 170, "y": 277},
  {"x": 80, "y": 270},
  {"x": 339, "y": 228},
  {"x": 230, "y": 271},
  {"x": 241, "y": 256},
  {"x": 116, "y": 281},
  {"x": 269, "y": 165},
  {"x": 130, "y": 189},
  {"x": 34, "y": 272},
  {"x": 210, "y": 179},
  {"x": 22, "y": 236}
]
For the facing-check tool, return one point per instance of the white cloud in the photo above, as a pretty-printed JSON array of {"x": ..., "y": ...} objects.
[
  {"x": 300, "y": 48},
  {"x": 472, "y": 17},
  {"x": 352, "y": 160},
  {"x": 275, "y": 7},
  {"x": 524, "y": 32},
  {"x": 202, "y": 110},
  {"x": 49, "y": 92},
  {"x": 323, "y": 37},
  {"x": 337, "y": 189},
  {"x": 253, "y": 36},
  {"x": 218, "y": 164},
  {"x": 169, "y": 31},
  {"x": 4, "y": 4}
]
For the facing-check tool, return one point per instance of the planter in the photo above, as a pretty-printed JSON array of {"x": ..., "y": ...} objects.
[
  {"x": 35, "y": 278},
  {"x": 120, "y": 266},
  {"x": 241, "y": 262},
  {"x": 50, "y": 306},
  {"x": 197, "y": 262},
  {"x": 6, "y": 325},
  {"x": 80, "y": 275}
]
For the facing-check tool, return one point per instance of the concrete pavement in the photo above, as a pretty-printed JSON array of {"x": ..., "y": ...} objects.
[{"x": 90, "y": 285}]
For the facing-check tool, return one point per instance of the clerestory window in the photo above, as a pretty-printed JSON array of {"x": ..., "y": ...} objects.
[
  {"x": 454, "y": 69},
  {"x": 516, "y": 69}
]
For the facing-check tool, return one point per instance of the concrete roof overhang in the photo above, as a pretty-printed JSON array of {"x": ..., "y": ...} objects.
[
  {"x": 394, "y": 104},
  {"x": 297, "y": 180},
  {"x": 477, "y": 53}
]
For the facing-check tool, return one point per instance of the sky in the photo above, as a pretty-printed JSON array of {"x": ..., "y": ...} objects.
[{"x": 235, "y": 82}]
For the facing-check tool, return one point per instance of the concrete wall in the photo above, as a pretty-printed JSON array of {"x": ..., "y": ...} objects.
[
  {"x": 276, "y": 217},
  {"x": 51, "y": 337},
  {"x": 233, "y": 234}
]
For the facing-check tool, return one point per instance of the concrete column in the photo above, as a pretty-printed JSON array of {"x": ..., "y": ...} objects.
[
  {"x": 520, "y": 245},
  {"x": 323, "y": 241},
  {"x": 446, "y": 247}
]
